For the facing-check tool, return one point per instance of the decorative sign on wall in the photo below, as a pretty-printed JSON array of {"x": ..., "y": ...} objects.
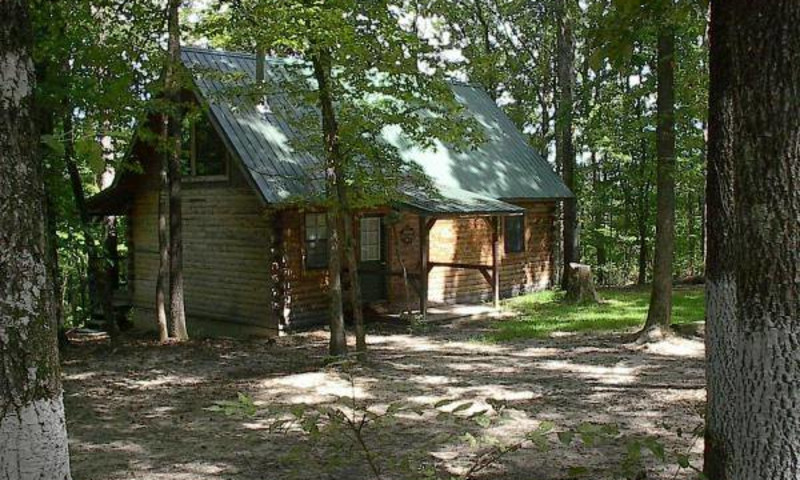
[{"x": 407, "y": 234}]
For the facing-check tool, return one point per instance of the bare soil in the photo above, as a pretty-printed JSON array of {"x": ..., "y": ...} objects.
[{"x": 140, "y": 410}]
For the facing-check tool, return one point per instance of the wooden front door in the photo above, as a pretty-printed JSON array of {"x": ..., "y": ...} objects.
[{"x": 372, "y": 258}]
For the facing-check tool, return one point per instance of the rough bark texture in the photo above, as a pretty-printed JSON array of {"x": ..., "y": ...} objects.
[
  {"x": 754, "y": 242},
  {"x": 580, "y": 288},
  {"x": 721, "y": 340},
  {"x": 333, "y": 170},
  {"x": 33, "y": 438},
  {"x": 660, "y": 312},
  {"x": 565, "y": 150},
  {"x": 177, "y": 314}
]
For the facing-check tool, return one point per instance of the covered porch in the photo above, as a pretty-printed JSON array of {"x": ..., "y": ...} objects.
[{"x": 453, "y": 206}]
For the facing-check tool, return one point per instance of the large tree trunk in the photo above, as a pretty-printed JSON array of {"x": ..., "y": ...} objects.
[
  {"x": 721, "y": 333},
  {"x": 660, "y": 312},
  {"x": 322, "y": 64},
  {"x": 177, "y": 313},
  {"x": 754, "y": 241},
  {"x": 565, "y": 150},
  {"x": 33, "y": 436}
]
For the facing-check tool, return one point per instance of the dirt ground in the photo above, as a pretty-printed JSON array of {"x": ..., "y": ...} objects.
[{"x": 140, "y": 411}]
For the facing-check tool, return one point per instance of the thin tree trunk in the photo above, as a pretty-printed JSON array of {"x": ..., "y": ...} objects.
[
  {"x": 177, "y": 313},
  {"x": 33, "y": 437},
  {"x": 334, "y": 178},
  {"x": 355, "y": 288},
  {"x": 660, "y": 312},
  {"x": 163, "y": 248},
  {"x": 565, "y": 149},
  {"x": 98, "y": 294},
  {"x": 755, "y": 120},
  {"x": 642, "y": 265}
]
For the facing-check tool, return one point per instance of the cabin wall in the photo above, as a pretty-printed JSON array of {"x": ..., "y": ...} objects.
[
  {"x": 469, "y": 240},
  {"x": 466, "y": 240},
  {"x": 226, "y": 239}
]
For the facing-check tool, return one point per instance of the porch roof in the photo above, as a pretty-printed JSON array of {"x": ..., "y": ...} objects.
[{"x": 451, "y": 201}]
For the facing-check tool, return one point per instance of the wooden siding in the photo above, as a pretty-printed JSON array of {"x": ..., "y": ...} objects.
[
  {"x": 226, "y": 255},
  {"x": 464, "y": 240}
]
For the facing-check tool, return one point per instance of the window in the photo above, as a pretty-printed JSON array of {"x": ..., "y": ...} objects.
[
  {"x": 370, "y": 239},
  {"x": 204, "y": 155},
  {"x": 514, "y": 234},
  {"x": 316, "y": 241}
]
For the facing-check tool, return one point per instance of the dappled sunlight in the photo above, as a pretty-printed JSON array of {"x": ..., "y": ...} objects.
[
  {"x": 135, "y": 406},
  {"x": 309, "y": 388},
  {"x": 678, "y": 347},
  {"x": 617, "y": 374}
]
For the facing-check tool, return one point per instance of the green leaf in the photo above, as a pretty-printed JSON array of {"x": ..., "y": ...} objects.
[
  {"x": 483, "y": 421},
  {"x": 683, "y": 461},
  {"x": 462, "y": 407},
  {"x": 566, "y": 437}
]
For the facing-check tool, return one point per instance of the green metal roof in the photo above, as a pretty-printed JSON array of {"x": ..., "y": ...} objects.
[{"x": 503, "y": 167}]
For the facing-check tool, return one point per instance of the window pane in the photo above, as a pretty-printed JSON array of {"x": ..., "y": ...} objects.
[
  {"x": 370, "y": 239},
  {"x": 316, "y": 240},
  {"x": 515, "y": 234},
  {"x": 210, "y": 152}
]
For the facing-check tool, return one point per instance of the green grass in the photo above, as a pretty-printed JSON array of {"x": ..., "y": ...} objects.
[{"x": 543, "y": 313}]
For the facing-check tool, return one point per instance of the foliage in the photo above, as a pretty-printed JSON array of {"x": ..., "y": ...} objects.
[{"x": 543, "y": 313}]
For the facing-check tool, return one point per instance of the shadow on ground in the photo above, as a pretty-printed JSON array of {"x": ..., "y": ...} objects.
[{"x": 140, "y": 411}]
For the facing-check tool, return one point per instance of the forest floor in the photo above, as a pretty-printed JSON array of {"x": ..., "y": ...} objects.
[{"x": 144, "y": 411}]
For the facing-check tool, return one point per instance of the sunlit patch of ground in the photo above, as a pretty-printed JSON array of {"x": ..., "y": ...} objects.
[
  {"x": 142, "y": 411},
  {"x": 544, "y": 314}
]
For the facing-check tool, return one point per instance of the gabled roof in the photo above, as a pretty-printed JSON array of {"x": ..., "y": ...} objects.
[{"x": 469, "y": 181}]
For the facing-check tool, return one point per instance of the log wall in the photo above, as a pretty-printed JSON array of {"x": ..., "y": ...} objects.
[{"x": 226, "y": 257}]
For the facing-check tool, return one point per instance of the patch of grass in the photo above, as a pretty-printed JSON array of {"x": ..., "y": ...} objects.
[{"x": 543, "y": 313}]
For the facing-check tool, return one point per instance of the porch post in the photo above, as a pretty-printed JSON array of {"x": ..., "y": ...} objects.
[
  {"x": 423, "y": 266},
  {"x": 495, "y": 261}
]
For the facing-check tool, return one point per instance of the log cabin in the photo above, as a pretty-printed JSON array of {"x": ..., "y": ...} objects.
[{"x": 255, "y": 258}]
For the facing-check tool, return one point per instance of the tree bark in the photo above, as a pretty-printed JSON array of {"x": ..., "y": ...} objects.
[
  {"x": 163, "y": 249},
  {"x": 32, "y": 429},
  {"x": 565, "y": 149},
  {"x": 660, "y": 312},
  {"x": 721, "y": 333},
  {"x": 754, "y": 329},
  {"x": 355, "y": 288},
  {"x": 177, "y": 313},
  {"x": 322, "y": 64}
]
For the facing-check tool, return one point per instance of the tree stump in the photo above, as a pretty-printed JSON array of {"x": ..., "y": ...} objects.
[{"x": 580, "y": 286}]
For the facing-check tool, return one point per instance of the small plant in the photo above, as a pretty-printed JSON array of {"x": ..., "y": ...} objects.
[{"x": 355, "y": 436}]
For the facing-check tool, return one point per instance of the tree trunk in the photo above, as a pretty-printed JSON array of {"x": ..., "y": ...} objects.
[
  {"x": 721, "y": 333},
  {"x": 642, "y": 229},
  {"x": 322, "y": 64},
  {"x": 753, "y": 237},
  {"x": 177, "y": 313},
  {"x": 33, "y": 437},
  {"x": 565, "y": 149},
  {"x": 163, "y": 249},
  {"x": 660, "y": 312},
  {"x": 355, "y": 288}
]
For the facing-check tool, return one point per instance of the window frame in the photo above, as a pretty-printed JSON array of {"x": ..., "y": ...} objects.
[
  {"x": 509, "y": 246},
  {"x": 377, "y": 220},
  {"x": 306, "y": 241},
  {"x": 193, "y": 176}
]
